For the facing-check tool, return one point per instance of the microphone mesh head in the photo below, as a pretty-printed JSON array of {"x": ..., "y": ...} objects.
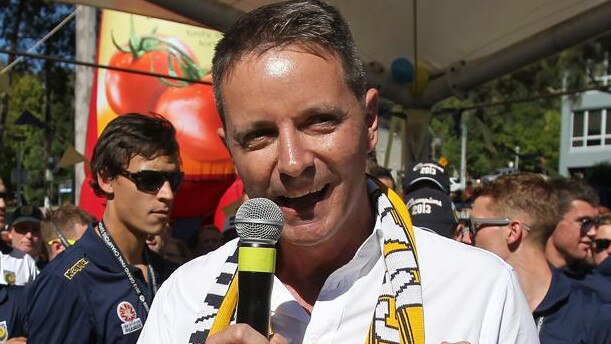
[{"x": 259, "y": 220}]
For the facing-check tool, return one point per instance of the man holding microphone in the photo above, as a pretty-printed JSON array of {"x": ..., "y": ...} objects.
[{"x": 299, "y": 122}]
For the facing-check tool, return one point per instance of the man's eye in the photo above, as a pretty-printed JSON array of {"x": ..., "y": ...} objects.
[
  {"x": 323, "y": 121},
  {"x": 256, "y": 139}
]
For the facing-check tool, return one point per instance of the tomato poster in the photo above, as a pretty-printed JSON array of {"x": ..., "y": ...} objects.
[{"x": 163, "y": 48}]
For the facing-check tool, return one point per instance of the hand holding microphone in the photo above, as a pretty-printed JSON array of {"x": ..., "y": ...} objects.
[
  {"x": 242, "y": 334},
  {"x": 259, "y": 224}
]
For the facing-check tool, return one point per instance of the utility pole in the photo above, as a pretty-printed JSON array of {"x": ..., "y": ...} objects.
[{"x": 85, "y": 51}]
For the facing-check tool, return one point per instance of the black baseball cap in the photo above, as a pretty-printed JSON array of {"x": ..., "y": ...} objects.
[
  {"x": 427, "y": 174},
  {"x": 432, "y": 209},
  {"x": 26, "y": 213}
]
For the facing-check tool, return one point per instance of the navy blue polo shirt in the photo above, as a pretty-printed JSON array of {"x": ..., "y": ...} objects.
[
  {"x": 593, "y": 279},
  {"x": 10, "y": 318},
  {"x": 604, "y": 269},
  {"x": 572, "y": 313},
  {"x": 84, "y": 296}
]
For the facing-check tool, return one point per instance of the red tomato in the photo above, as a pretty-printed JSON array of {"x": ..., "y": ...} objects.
[
  {"x": 192, "y": 111},
  {"x": 130, "y": 92}
]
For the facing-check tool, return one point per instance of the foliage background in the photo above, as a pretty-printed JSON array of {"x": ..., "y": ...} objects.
[{"x": 42, "y": 87}]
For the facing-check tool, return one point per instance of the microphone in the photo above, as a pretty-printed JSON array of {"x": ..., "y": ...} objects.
[{"x": 259, "y": 224}]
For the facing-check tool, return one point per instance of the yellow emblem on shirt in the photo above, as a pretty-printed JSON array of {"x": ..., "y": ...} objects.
[
  {"x": 9, "y": 277},
  {"x": 3, "y": 331},
  {"x": 76, "y": 268}
]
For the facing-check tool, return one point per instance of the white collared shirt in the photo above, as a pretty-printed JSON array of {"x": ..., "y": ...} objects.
[
  {"x": 468, "y": 295},
  {"x": 17, "y": 268}
]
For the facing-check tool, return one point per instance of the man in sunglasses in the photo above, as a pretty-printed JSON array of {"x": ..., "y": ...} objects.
[
  {"x": 569, "y": 246},
  {"x": 24, "y": 233},
  {"x": 600, "y": 277},
  {"x": 100, "y": 289},
  {"x": 513, "y": 217},
  {"x": 16, "y": 267},
  {"x": 601, "y": 247},
  {"x": 299, "y": 121},
  {"x": 62, "y": 227}
]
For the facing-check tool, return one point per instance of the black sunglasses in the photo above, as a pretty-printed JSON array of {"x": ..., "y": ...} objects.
[
  {"x": 25, "y": 227},
  {"x": 587, "y": 223},
  {"x": 601, "y": 244},
  {"x": 152, "y": 181}
]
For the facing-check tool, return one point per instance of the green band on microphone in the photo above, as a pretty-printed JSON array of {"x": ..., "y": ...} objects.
[{"x": 257, "y": 259}]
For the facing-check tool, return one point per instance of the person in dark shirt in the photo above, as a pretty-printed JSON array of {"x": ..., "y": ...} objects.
[
  {"x": 62, "y": 227},
  {"x": 601, "y": 246},
  {"x": 570, "y": 244},
  {"x": 570, "y": 247},
  {"x": 11, "y": 322},
  {"x": 100, "y": 289},
  {"x": 513, "y": 217},
  {"x": 600, "y": 277}
]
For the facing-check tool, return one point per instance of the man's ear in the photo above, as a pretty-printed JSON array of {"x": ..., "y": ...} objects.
[
  {"x": 371, "y": 108},
  {"x": 105, "y": 182},
  {"x": 515, "y": 234},
  {"x": 57, "y": 247}
]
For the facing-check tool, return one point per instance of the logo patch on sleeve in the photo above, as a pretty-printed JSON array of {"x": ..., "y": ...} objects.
[
  {"x": 76, "y": 268},
  {"x": 3, "y": 331},
  {"x": 129, "y": 318}
]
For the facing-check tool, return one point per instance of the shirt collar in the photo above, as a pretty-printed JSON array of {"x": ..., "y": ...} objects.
[
  {"x": 95, "y": 250},
  {"x": 605, "y": 267},
  {"x": 559, "y": 290}
]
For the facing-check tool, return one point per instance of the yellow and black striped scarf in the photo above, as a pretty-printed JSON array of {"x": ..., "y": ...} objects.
[{"x": 398, "y": 316}]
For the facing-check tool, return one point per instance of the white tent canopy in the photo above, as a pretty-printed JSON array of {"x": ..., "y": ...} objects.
[{"x": 463, "y": 43}]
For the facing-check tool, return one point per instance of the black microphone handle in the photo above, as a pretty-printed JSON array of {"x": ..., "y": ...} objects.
[
  {"x": 255, "y": 290},
  {"x": 256, "y": 266}
]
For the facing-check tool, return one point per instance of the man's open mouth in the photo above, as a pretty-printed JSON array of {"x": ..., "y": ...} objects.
[{"x": 303, "y": 201}]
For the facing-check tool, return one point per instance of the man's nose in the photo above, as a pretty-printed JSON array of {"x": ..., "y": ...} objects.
[
  {"x": 592, "y": 232},
  {"x": 166, "y": 191},
  {"x": 294, "y": 154}
]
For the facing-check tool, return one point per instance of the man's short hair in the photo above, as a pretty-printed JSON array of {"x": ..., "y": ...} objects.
[
  {"x": 569, "y": 190},
  {"x": 65, "y": 218},
  {"x": 315, "y": 26},
  {"x": 127, "y": 136},
  {"x": 524, "y": 194}
]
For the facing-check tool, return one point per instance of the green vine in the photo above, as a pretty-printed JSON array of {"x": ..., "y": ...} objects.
[{"x": 139, "y": 45}]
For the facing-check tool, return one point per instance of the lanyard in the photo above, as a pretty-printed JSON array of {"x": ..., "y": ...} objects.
[
  {"x": 60, "y": 235},
  {"x": 540, "y": 322},
  {"x": 119, "y": 256}
]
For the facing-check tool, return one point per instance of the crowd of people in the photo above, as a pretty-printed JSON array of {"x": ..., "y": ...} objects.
[{"x": 357, "y": 262}]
